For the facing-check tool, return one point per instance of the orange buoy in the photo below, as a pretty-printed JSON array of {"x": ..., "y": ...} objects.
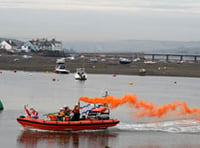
[{"x": 130, "y": 83}]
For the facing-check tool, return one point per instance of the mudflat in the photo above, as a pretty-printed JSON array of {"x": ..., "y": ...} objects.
[{"x": 101, "y": 66}]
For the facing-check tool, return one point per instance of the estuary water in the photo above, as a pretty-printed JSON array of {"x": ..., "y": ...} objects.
[{"x": 39, "y": 90}]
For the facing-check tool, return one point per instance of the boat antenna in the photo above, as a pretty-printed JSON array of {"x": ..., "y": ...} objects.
[{"x": 104, "y": 93}]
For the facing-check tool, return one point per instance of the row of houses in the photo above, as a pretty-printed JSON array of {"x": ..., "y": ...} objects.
[{"x": 11, "y": 45}]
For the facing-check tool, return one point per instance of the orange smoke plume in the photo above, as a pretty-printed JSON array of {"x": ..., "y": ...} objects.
[{"x": 144, "y": 108}]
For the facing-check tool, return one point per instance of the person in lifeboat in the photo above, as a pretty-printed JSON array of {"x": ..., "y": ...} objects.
[
  {"x": 61, "y": 115},
  {"x": 67, "y": 112},
  {"x": 76, "y": 112},
  {"x": 32, "y": 113}
]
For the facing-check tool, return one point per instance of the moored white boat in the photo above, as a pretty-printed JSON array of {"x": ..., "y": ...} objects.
[
  {"x": 80, "y": 74},
  {"x": 124, "y": 61},
  {"x": 60, "y": 68}
]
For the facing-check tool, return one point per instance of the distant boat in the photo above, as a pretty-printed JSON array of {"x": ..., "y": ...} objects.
[
  {"x": 125, "y": 61},
  {"x": 142, "y": 71},
  {"x": 80, "y": 74},
  {"x": 60, "y": 61},
  {"x": 27, "y": 57},
  {"x": 149, "y": 62},
  {"x": 60, "y": 67},
  {"x": 93, "y": 60}
]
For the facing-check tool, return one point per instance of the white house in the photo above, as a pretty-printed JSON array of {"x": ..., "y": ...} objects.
[
  {"x": 9, "y": 45},
  {"x": 28, "y": 46},
  {"x": 44, "y": 44},
  {"x": 5, "y": 45},
  {"x": 56, "y": 45},
  {"x": 32, "y": 45},
  {"x": 25, "y": 48}
]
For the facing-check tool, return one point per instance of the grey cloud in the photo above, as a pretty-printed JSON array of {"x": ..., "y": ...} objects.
[{"x": 129, "y": 5}]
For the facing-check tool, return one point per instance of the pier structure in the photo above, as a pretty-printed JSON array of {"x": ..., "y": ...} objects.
[{"x": 168, "y": 55}]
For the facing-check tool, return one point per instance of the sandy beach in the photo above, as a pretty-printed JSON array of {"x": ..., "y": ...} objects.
[{"x": 107, "y": 66}]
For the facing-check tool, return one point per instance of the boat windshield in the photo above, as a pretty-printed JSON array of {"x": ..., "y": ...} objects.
[
  {"x": 62, "y": 67},
  {"x": 80, "y": 70}
]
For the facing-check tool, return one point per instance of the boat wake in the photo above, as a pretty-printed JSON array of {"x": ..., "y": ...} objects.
[{"x": 177, "y": 126}]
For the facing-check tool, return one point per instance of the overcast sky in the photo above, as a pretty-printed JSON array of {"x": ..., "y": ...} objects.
[{"x": 101, "y": 20}]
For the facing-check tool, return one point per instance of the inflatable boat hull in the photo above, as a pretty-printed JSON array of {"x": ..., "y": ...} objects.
[{"x": 93, "y": 124}]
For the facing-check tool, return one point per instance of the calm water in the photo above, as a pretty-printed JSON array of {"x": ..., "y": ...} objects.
[{"x": 39, "y": 91}]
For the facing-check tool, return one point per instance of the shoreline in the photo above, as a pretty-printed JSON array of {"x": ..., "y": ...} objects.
[{"x": 47, "y": 64}]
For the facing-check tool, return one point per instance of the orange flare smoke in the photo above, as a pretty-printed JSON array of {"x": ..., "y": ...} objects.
[{"x": 144, "y": 108}]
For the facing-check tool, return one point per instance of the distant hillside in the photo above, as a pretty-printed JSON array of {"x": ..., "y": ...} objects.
[
  {"x": 135, "y": 46},
  {"x": 129, "y": 46}
]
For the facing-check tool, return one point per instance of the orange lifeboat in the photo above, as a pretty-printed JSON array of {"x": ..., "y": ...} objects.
[{"x": 86, "y": 124}]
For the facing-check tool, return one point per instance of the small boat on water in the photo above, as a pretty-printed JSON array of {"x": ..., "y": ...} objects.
[
  {"x": 93, "y": 117},
  {"x": 60, "y": 67},
  {"x": 142, "y": 71},
  {"x": 89, "y": 124},
  {"x": 124, "y": 61},
  {"x": 80, "y": 74}
]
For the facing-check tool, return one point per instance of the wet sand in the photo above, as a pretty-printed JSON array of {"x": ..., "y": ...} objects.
[{"x": 109, "y": 66}]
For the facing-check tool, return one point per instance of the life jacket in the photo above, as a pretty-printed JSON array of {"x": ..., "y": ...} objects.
[
  {"x": 53, "y": 117},
  {"x": 76, "y": 110},
  {"x": 35, "y": 113},
  {"x": 67, "y": 118},
  {"x": 61, "y": 114},
  {"x": 67, "y": 112}
]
